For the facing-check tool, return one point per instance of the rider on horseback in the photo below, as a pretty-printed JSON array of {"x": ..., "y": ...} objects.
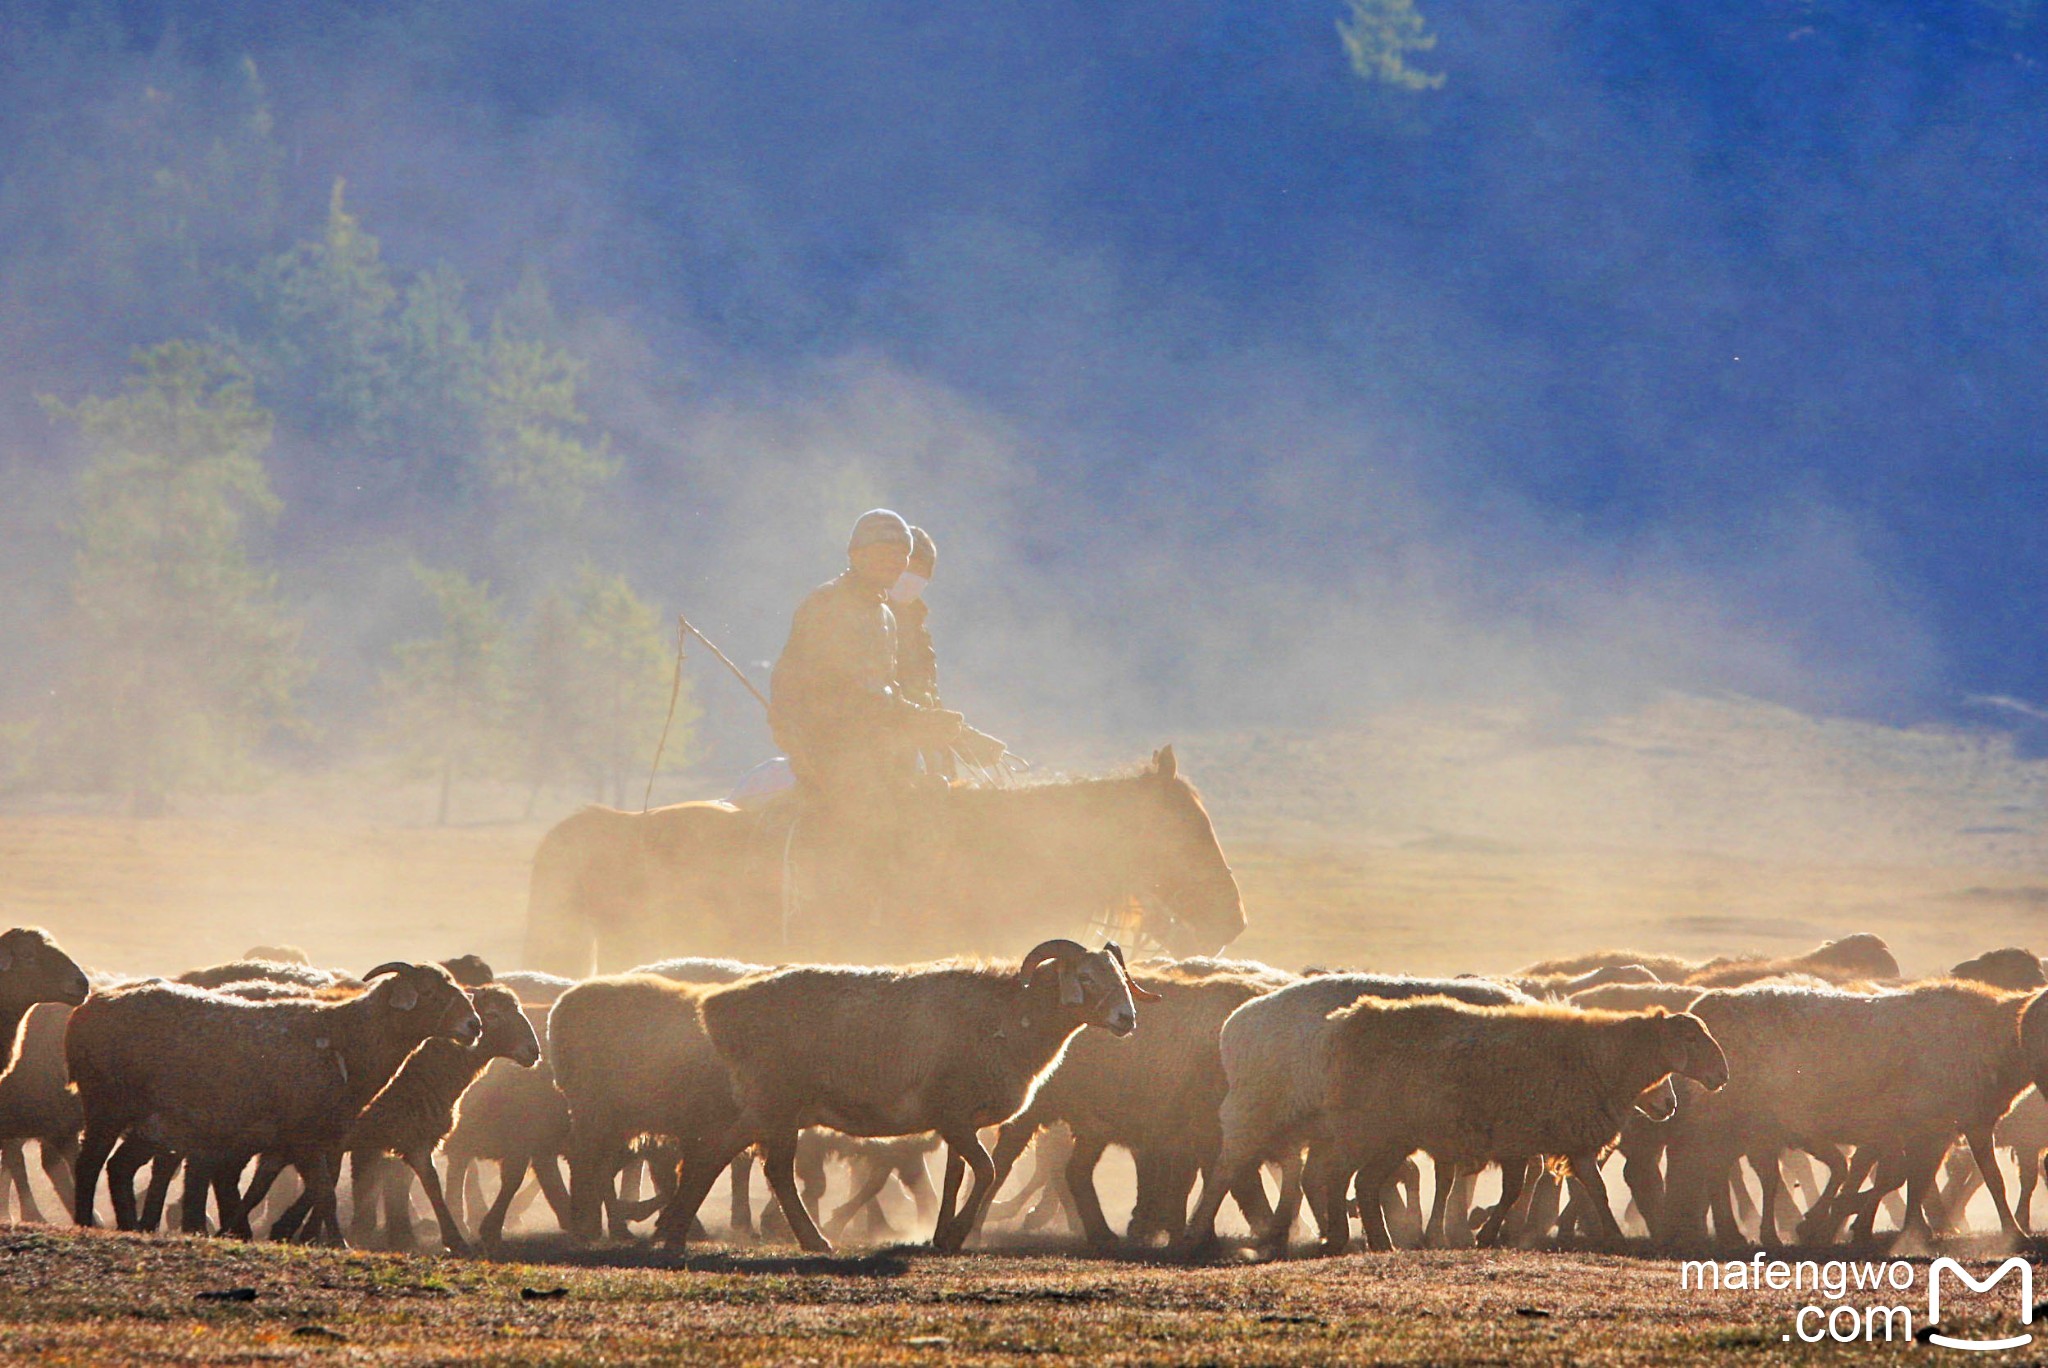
[{"x": 834, "y": 703}]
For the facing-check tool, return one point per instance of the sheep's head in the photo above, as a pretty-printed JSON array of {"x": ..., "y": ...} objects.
[
  {"x": 33, "y": 969},
  {"x": 1689, "y": 1048},
  {"x": 1659, "y": 1102},
  {"x": 471, "y": 971},
  {"x": 507, "y": 1032},
  {"x": 429, "y": 998},
  {"x": 1863, "y": 956},
  {"x": 2010, "y": 968},
  {"x": 1094, "y": 984}
]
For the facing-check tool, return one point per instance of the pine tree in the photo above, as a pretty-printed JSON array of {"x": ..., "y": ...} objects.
[
  {"x": 181, "y": 661},
  {"x": 447, "y": 698}
]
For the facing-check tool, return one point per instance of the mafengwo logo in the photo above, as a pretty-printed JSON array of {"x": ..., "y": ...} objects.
[
  {"x": 1862, "y": 1303},
  {"x": 2025, "y": 1289}
]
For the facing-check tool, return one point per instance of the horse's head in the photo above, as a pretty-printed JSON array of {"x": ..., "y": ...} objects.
[{"x": 1181, "y": 866}]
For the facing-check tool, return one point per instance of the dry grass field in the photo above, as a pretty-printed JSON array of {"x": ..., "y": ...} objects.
[
  {"x": 111, "y": 1299},
  {"x": 1458, "y": 843}
]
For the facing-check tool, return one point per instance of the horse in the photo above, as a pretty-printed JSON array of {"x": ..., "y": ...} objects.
[{"x": 984, "y": 870}]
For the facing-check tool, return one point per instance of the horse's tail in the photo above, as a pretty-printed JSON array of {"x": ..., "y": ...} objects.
[{"x": 561, "y": 935}]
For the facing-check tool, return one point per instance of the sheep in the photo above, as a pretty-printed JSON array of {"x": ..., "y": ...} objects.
[
  {"x": 1557, "y": 987},
  {"x": 278, "y": 954},
  {"x": 1667, "y": 967},
  {"x": 32, "y": 970},
  {"x": 223, "y": 1079},
  {"x": 1848, "y": 960},
  {"x": 412, "y": 1116},
  {"x": 2010, "y": 968},
  {"x": 1629, "y": 997},
  {"x": 1897, "y": 1074},
  {"x": 1272, "y": 1106},
  {"x": 534, "y": 986},
  {"x": 256, "y": 970},
  {"x": 471, "y": 971},
  {"x": 515, "y": 1118},
  {"x": 631, "y": 1058},
  {"x": 700, "y": 969},
  {"x": 887, "y": 1052},
  {"x": 1157, "y": 1093},
  {"x": 37, "y": 1103},
  {"x": 1471, "y": 1084}
]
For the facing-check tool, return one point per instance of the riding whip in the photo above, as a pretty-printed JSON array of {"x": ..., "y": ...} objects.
[{"x": 684, "y": 631}]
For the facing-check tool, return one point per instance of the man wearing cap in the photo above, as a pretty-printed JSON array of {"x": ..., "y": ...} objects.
[{"x": 834, "y": 703}]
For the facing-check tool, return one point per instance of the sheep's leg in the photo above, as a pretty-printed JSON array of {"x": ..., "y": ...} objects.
[
  {"x": 1986, "y": 1155},
  {"x": 1512, "y": 1173},
  {"x": 60, "y": 1155},
  {"x": 198, "y": 1183},
  {"x": 318, "y": 1172},
  {"x": 873, "y": 1178},
  {"x": 1443, "y": 1175},
  {"x": 917, "y": 1180},
  {"x": 967, "y": 1145},
  {"x": 372, "y": 1207},
  {"x": 1326, "y": 1182},
  {"x": 1080, "y": 1178},
  {"x": 511, "y": 1176},
  {"x": 163, "y": 1167},
  {"x": 1011, "y": 1141},
  {"x": 1238, "y": 1153},
  {"x": 547, "y": 1173},
  {"x": 2030, "y": 1177},
  {"x": 949, "y": 1191},
  {"x": 701, "y": 1165},
  {"x": 94, "y": 1147},
  {"x": 128, "y": 1159},
  {"x": 1585, "y": 1171},
  {"x": 292, "y": 1219},
  {"x": 778, "y": 1161},
  {"x": 1249, "y": 1192},
  {"x": 1539, "y": 1208},
  {"x": 16, "y": 1160},
  {"x": 592, "y": 1162},
  {"x": 742, "y": 1220},
  {"x": 461, "y": 1168},
  {"x": 422, "y": 1164}
]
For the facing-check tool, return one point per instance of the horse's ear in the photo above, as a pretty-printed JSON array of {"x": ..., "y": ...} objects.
[{"x": 1163, "y": 763}]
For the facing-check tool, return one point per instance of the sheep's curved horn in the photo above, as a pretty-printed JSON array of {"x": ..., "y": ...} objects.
[
  {"x": 388, "y": 967},
  {"x": 1116, "y": 952},
  {"x": 1056, "y": 949}
]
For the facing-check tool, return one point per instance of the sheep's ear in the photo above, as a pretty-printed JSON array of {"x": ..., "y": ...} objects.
[
  {"x": 1070, "y": 987},
  {"x": 405, "y": 997}
]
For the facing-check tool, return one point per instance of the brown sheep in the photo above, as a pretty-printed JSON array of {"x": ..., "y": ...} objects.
[
  {"x": 1273, "y": 1105},
  {"x": 1670, "y": 968},
  {"x": 1897, "y": 1074},
  {"x": 37, "y": 1103},
  {"x": 631, "y": 1058},
  {"x": 1851, "y": 959},
  {"x": 414, "y": 1114},
  {"x": 262, "y": 971},
  {"x": 2010, "y": 968},
  {"x": 1156, "y": 1093},
  {"x": 516, "y": 1119},
  {"x": 1472, "y": 1085},
  {"x": 222, "y": 1079},
  {"x": 888, "y": 1052}
]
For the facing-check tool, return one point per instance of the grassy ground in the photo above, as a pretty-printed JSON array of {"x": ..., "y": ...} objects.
[{"x": 109, "y": 1299}]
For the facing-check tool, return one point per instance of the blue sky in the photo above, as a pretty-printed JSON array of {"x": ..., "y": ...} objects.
[{"x": 1705, "y": 343}]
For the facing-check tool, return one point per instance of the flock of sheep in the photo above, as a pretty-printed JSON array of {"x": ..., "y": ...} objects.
[{"x": 1716, "y": 1092}]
